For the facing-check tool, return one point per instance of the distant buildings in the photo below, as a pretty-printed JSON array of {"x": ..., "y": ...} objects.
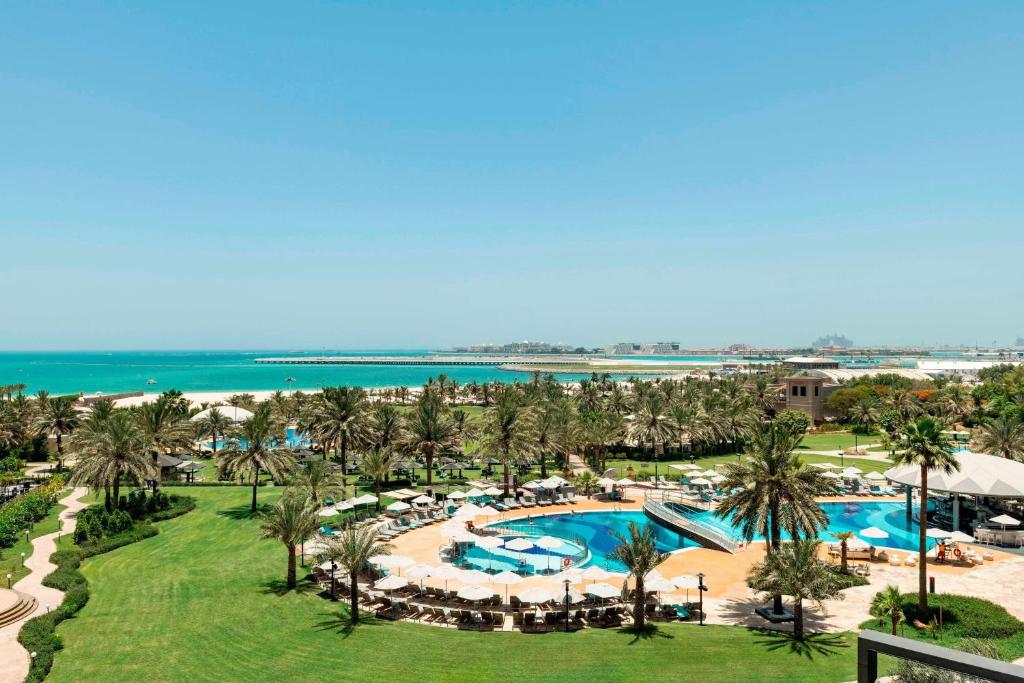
[
  {"x": 652, "y": 348},
  {"x": 807, "y": 390},
  {"x": 520, "y": 348},
  {"x": 832, "y": 341}
]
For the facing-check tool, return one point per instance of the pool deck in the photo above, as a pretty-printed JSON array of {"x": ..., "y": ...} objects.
[{"x": 729, "y": 600}]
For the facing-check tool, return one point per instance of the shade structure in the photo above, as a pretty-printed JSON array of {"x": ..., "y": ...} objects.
[
  {"x": 344, "y": 505},
  {"x": 596, "y": 573},
  {"x": 488, "y": 542},
  {"x": 935, "y": 532},
  {"x": 532, "y": 485},
  {"x": 422, "y": 500},
  {"x": 492, "y": 491},
  {"x": 961, "y": 537},
  {"x": 535, "y": 595},
  {"x": 605, "y": 482},
  {"x": 660, "y": 584},
  {"x": 474, "y": 592},
  {"x": 420, "y": 571},
  {"x": 452, "y": 528},
  {"x": 445, "y": 572},
  {"x": 475, "y": 493},
  {"x": 826, "y": 466},
  {"x": 708, "y": 473},
  {"x": 456, "y": 495},
  {"x": 700, "y": 481},
  {"x": 831, "y": 475},
  {"x": 852, "y": 471},
  {"x": 1005, "y": 520},
  {"x": 367, "y": 499},
  {"x": 328, "y": 512},
  {"x": 398, "y": 506},
  {"x": 519, "y": 544},
  {"x": 574, "y": 596},
  {"x": 979, "y": 475},
  {"x": 233, "y": 413},
  {"x": 573, "y": 574},
  {"x": 467, "y": 511},
  {"x": 548, "y": 542},
  {"x": 602, "y": 590},
  {"x": 625, "y": 481},
  {"x": 473, "y": 576},
  {"x": 684, "y": 468},
  {"x": 506, "y": 579},
  {"x": 391, "y": 582},
  {"x": 875, "y": 476},
  {"x": 392, "y": 561},
  {"x": 873, "y": 532},
  {"x": 488, "y": 511},
  {"x": 685, "y": 581}
]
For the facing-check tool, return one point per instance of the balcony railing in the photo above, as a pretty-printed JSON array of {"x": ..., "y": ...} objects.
[{"x": 871, "y": 643}]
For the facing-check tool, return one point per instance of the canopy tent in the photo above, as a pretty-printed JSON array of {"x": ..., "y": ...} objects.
[
  {"x": 602, "y": 590},
  {"x": 398, "y": 506},
  {"x": 979, "y": 475},
  {"x": 474, "y": 592},
  {"x": 519, "y": 544},
  {"x": 233, "y": 413}
]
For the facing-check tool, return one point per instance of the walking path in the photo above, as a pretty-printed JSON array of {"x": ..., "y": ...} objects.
[
  {"x": 14, "y": 660},
  {"x": 577, "y": 465}
]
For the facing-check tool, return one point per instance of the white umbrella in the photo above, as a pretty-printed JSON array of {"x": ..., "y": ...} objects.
[
  {"x": 574, "y": 597},
  {"x": 488, "y": 511},
  {"x": 392, "y": 561},
  {"x": 573, "y": 574},
  {"x": 874, "y": 532},
  {"x": 852, "y": 471},
  {"x": 474, "y": 592},
  {"x": 826, "y": 466},
  {"x": 506, "y": 579},
  {"x": 700, "y": 481},
  {"x": 831, "y": 475},
  {"x": 456, "y": 495},
  {"x": 467, "y": 510},
  {"x": 686, "y": 581},
  {"x": 685, "y": 468},
  {"x": 602, "y": 590},
  {"x": 605, "y": 482},
  {"x": 474, "y": 493},
  {"x": 595, "y": 573},
  {"x": 1004, "y": 520},
  {"x": 328, "y": 512},
  {"x": 420, "y": 571},
  {"x": 961, "y": 537},
  {"x": 464, "y": 537},
  {"x": 519, "y": 544},
  {"x": 398, "y": 506},
  {"x": 492, "y": 491},
  {"x": 391, "y": 582},
  {"x": 488, "y": 542},
  {"x": 625, "y": 481},
  {"x": 708, "y": 473},
  {"x": 344, "y": 505},
  {"x": 548, "y": 543},
  {"x": 445, "y": 572},
  {"x": 935, "y": 532},
  {"x": 535, "y": 595},
  {"x": 367, "y": 499},
  {"x": 875, "y": 476},
  {"x": 532, "y": 485},
  {"x": 422, "y": 500},
  {"x": 473, "y": 576}
]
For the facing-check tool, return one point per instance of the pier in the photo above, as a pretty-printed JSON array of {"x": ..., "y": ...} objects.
[{"x": 494, "y": 361}]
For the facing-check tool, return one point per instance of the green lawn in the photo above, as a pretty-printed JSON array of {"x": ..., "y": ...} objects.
[
  {"x": 836, "y": 441},
  {"x": 202, "y": 601},
  {"x": 645, "y": 469}
]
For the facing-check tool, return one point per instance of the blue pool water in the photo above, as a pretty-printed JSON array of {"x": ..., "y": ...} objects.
[{"x": 594, "y": 531}]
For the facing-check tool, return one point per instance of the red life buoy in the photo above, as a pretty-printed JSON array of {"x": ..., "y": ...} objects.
[
  {"x": 565, "y": 562},
  {"x": 956, "y": 553}
]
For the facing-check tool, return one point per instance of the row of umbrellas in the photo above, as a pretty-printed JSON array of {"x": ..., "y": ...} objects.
[{"x": 341, "y": 506}]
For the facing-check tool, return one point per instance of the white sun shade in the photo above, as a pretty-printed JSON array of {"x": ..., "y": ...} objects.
[
  {"x": 979, "y": 474},
  {"x": 391, "y": 582},
  {"x": 519, "y": 544}
]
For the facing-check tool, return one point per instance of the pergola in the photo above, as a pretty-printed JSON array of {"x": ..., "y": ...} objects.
[{"x": 979, "y": 475}]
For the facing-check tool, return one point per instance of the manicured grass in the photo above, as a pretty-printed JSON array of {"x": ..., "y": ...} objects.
[
  {"x": 834, "y": 441},
  {"x": 203, "y": 601},
  {"x": 647, "y": 467}
]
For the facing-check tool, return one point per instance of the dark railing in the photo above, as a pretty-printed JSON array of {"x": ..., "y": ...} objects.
[
  {"x": 871, "y": 643},
  {"x": 659, "y": 506}
]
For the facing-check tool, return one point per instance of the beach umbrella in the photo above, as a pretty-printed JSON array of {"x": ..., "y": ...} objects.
[
  {"x": 464, "y": 536},
  {"x": 937, "y": 533},
  {"x": 328, "y": 512},
  {"x": 852, "y": 471},
  {"x": 574, "y": 597},
  {"x": 392, "y": 561},
  {"x": 422, "y": 500},
  {"x": 367, "y": 499},
  {"x": 595, "y": 573},
  {"x": 473, "y": 576},
  {"x": 452, "y": 527},
  {"x": 445, "y": 572},
  {"x": 831, "y": 475},
  {"x": 700, "y": 481},
  {"x": 686, "y": 581},
  {"x": 474, "y": 493},
  {"x": 390, "y": 583},
  {"x": 605, "y": 482},
  {"x": 519, "y": 544},
  {"x": 398, "y": 506},
  {"x": 826, "y": 466},
  {"x": 344, "y": 505},
  {"x": 1004, "y": 521},
  {"x": 708, "y": 473},
  {"x": 625, "y": 481},
  {"x": 602, "y": 590},
  {"x": 456, "y": 495},
  {"x": 961, "y": 537},
  {"x": 474, "y": 592},
  {"x": 572, "y": 574},
  {"x": 532, "y": 485},
  {"x": 875, "y": 476},
  {"x": 548, "y": 543},
  {"x": 506, "y": 579},
  {"x": 874, "y": 532},
  {"x": 492, "y": 491},
  {"x": 468, "y": 510},
  {"x": 535, "y": 595},
  {"x": 488, "y": 511}
]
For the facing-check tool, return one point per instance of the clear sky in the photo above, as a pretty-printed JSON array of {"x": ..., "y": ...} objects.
[{"x": 414, "y": 174}]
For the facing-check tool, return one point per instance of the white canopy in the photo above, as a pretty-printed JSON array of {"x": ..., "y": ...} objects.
[
  {"x": 625, "y": 481},
  {"x": 475, "y": 493},
  {"x": 488, "y": 511},
  {"x": 874, "y": 532},
  {"x": 935, "y": 532},
  {"x": 573, "y": 574},
  {"x": 398, "y": 506},
  {"x": 368, "y": 499},
  {"x": 492, "y": 491},
  {"x": 445, "y": 572},
  {"x": 708, "y": 473},
  {"x": 1005, "y": 520},
  {"x": 474, "y": 592},
  {"x": 700, "y": 481},
  {"x": 548, "y": 542},
  {"x": 420, "y": 571},
  {"x": 506, "y": 578},
  {"x": 826, "y": 466},
  {"x": 961, "y": 537},
  {"x": 422, "y": 500},
  {"x": 852, "y": 471},
  {"x": 456, "y": 495},
  {"x": 875, "y": 476},
  {"x": 392, "y": 561},
  {"x": 605, "y": 482},
  {"x": 391, "y": 582},
  {"x": 595, "y": 573},
  {"x": 488, "y": 542},
  {"x": 602, "y": 590},
  {"x": 535, "y": 595},
  {"x": 231, "y": 412},
  {"x": 473, "y": 576},
  {"x": 979, "y": 475},
  {"x": 519, "y": 544}
]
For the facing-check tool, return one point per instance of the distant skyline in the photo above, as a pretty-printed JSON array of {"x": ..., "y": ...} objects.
[{"x": 359, "y": 175}]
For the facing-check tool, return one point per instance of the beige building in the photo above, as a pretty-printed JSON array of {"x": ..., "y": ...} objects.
[{"x": 807, "y": 390}]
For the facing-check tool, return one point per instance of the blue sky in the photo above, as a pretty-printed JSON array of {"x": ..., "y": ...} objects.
[{"x": 349, "y": 174}]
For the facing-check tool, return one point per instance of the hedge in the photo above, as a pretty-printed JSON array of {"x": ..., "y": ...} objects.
[
  {"x": 39, "y": 634},
  {"x": 23, "y": 511}
]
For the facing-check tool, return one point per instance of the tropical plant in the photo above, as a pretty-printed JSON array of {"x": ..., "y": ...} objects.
[
  {"x": 292, "y": 520},
  {"x": 888, "y": 604},
  {"x": 351, "y": 550},
  {"x": 585, "y": 482},
  {"x": 110, "y": 449},
  {"x": 56, "y": 417},
  {"x": 318, "y": 482},
  {"x": 1003, "y": 435},
  {"x": 340, "y": 418},
  {"x": 214, "y": 424},
  {"x": 430, "y": 429},
  {"x": 650, "y": 423},
  {"x": 638, "y": 550},
  {"x": 377, "y": 463},
  {"x": 796, "y": 570},
  {"x": 509, "y": 432},
  {"x": 387, "y": 425},
  {"x": 843, "y": 537},
  {"x": 772, "y": 489},
  {"x": 925, "y": 446},
  {"x": 260, "y": 452}
]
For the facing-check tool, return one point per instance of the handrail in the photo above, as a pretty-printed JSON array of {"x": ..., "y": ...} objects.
[
  {"x": 657, "y": 506},
  {"x": 871, "y": 643}
]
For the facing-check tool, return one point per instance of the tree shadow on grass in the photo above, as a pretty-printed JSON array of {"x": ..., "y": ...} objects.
[
  {"x": 244, "y": 512},
  {"x": 813, "y": 644},
  {"x": 279, "y": 587},
  {"x": 341, "y": 622},
  {"x": 649, "y": 632}
]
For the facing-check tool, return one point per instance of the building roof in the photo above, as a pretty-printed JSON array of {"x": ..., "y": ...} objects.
[
  {"x": 838, "y": 375},
  {"x": 806, "y": 360},
  {"x": 979, "y": 475},
  {"x": 233, "y": 413}
]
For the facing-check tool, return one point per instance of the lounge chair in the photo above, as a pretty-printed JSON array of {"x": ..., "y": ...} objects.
[
  {"x": 511, "y": 503},
  {"x": 895, "y": 560},
  {"x": 911, "y": 561}
]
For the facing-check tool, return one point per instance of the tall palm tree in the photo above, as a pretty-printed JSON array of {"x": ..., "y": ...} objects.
[
  {"x": 318, "y": 482},
  {"x": 650, "y": 423},
  {"x": 796, "y": 570},
  {"x": 377, "y": 464},
  {"x": 638, "y": 550},
  {"x": 925, "y": 446},
  {"x": 165, "y": 426},
  {"x": 844, "y": 538},
  {"x": 214, "y": 424},
  {"x": 351, "y": 550},
  {"x": 430, "y": 429},
  {"x": 340, "y": 419},
  {"x": 387, "y": 425},
  {"x": 509, "y": 432},
  {"x": 1003, "y": 435},
  {"x": 888, "y": 602},
  {"x": 56, "y": 417},
  {"x": 110, "y": 450},
  {"x": 773, "y": 489},
  {"x": 260, "y": 453},
  {"x": 554, "y": 430},
  {"x": 292, "y": 521},
  {"x": 864, "y": 413}
]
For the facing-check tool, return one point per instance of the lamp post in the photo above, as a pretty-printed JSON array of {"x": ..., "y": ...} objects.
[
  {"x": 334, "y": 585},
  {"x": 23, "y": 560},
  {"x": 567, "y": 584},
  {"x": 8, "y": 580},
  {"x": 700, "y": 592}
]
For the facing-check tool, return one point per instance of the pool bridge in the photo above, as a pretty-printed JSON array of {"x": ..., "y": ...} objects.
[{"x": 668, "y": 509}]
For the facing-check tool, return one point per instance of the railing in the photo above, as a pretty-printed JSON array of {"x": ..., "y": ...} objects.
[
  {"x": 657, "y": 504},
  {"x": 871, "y": 643}
]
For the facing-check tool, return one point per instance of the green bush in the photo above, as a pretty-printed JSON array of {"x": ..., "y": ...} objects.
[
  {"x": 965, "y": 616},
  {"x": 21, "y": 512}
]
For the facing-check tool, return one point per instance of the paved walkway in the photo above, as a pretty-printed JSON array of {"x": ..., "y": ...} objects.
[
  {"x": 14, "y": 660},
  {"x": 577, "y": 465}
]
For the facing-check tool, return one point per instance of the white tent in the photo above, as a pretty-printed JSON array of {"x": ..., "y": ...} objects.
[
  {"x": 519, "y": 544},
  {"x": 398, "y": 506},
  {"x": 602, "y": 590},
  {"x": 625, "y": 481},
  {"x": 979, "y": 475},
  {"x": 700, "y": 481}
]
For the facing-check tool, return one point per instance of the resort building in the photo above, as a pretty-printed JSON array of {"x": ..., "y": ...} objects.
[
  {"x": 810, "y": 363},
  {"x": 968, "y": 369},
  {"x": 807, "y": 390}
]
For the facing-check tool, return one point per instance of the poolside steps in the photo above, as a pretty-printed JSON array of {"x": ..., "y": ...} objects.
[{"x": 22, "y": 606}]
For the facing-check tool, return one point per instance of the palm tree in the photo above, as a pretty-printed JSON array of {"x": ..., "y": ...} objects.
[
  {"x": 888, "y": 602},
  {"x": 387, "y": 425},
  {"x": 774, "y": 490},
  {"x": 843, "y": 537},
  {"x": 864, "y": 413},
  {"x": 430, "y": 429},
  {"x": 164, "y": 425},
  {"x": 926, "y": 446},
  {"x": 260, "y": 433},
  {"x": 1003, "y": 435},
  {"x": 585, "y": 482},
  {"x": 650, "y": 423},
  {"x": 554, "y": 430},
  {"x": 56, "y": 417},
  {"x": 340, "y": 418},
  {"x": 352, "y": 550},
  {"x": 112, "y": 449},
  {"x": 638, "y": 550},
  {"x": 213, "y": 424},
  {"x": 318, "y": 482},
  {"x": 292, "y": 520},
  {"x": 377, "y": 463},
  {"x": 509, "y": 432},
  {"x": 795, "y": 570}
]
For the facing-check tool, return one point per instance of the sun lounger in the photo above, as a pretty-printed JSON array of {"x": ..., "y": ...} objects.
[
  {"x": 895, "y": 560},
  {"x": 911, "y": 561},
  {"x": 511, "y": 503}
]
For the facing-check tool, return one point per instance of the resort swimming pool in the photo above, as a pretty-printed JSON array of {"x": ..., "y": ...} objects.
[{"x": 593, "y": 530}]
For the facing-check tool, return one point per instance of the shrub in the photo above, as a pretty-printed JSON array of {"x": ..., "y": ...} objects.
[
  {"x": 795, "y": 420},
  {"x": 21, "y": 512}
]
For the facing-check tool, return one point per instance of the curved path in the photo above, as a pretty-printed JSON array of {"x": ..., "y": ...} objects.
[{"x": 14, "y": 660}]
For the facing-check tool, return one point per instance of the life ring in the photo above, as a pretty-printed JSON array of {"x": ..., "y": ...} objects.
[
  {"x": 566, "y": 562},
  {"x": 956, "y": 553}
]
